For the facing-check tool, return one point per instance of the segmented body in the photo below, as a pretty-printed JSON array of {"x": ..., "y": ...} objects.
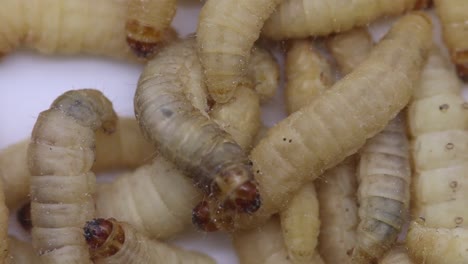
[
  {"x": 60, "y": 157},
  {"x": 68, "y": 26},
  {"x": 187, "y": 137},
  {"x": 383, "y": 194},
  {"x": 226, "y": 33},
  {"x": 454, "y": 17},
  {"x": 111, "y": 241},
  {"x": 303, "y": 18}
]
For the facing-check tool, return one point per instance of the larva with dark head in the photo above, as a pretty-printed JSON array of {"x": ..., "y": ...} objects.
[
  {"x": 110, "y": 241},
  {"x": 94, "y": 27},
  {"x": 300, "y": 19},
  {"x": 226, "y": 34},
  {"x": 326, "y": 131},
  {"x": 60, "y": 157},
  {"x": 454, "y": 18},
  {"x": 187, "y": 137},
  {"x": 126, "y": 148}
]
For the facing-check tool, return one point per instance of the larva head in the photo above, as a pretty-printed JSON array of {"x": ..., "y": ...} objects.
[
  {"x": 104, "y": 237},
  {"x": 236, "y": 189},
  {"x": 145, "y": 41},
  {"x": 24, "y": 217}
]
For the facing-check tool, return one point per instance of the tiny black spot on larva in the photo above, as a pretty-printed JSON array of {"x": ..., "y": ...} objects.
[
  {"x": 258, "y": 171},
  {"x": 250, "y": 163},
  {"x": 449, "y": 146},
  {"x": 284, "y": 139},
  {"x": 290, "y": 140},
  {"x": 443, "y": 107},
  {"x": 166, "y": 112}
]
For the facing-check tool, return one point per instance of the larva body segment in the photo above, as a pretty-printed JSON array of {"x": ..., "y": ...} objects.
[
  {"x": 187, "y": 137},
  {"x": 437, "y": 245},
  {"x": 68, "y": 26},
  {"x": 155, "y": 199},
  {"x": 438, "y": 123},
  {"x": 60, "y": 157},
  {"x": 302, "y": 18},
  {"x": 383, "y": 194},
  {"x": 396, "y": 255},
  {"x": 350, "y": 48},
  {"x": 308, "y": 74},
  {"x": 126, "y": 148},
  {"x": 226, "y": 33},
  {"x": 320, "y": 135},
  {"x": 264, "y": 245},
  {"x": 265, "y": 73},
  {"x": 147, "y": 23},
  {"x": 20, "y": 252},
  {"x": 300, "y": 225},
  {"x": 338, "y": 212},
  {"x": 111, "y": 241},
  {"x": 454, "y": 18}
]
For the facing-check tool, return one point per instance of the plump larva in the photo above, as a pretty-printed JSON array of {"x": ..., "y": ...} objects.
[
  {"x": 20, "y": 252},
  {"x": 308, "y": 74},
  {"x": 226, "y": 33},
  {"x": 60, "y": 157},
  {"x": 454, "y": 17},
  {"x": 384, "y": 178},
  {"x": 396, "y": 255},
  {"x": 187, "y": 137},
  {"x": 336, "y": 191},
  {"x": 300, "y": 225},
  {"x": 111, "y": 242},
  {"x": 147, "y": 23},
  {"x": 350, "y": 48},
  {"x": 69, "y": 26},
  {"x": 264, "y": 245},
  {"x": 265, "y": 73},
  {"x": 126, "y": 148},
  {"x": 155, "y": 199},
  {"x": 300, "y": 19},
  {"x": 437, "y": 245},
  {"x": 323, "y": 133}
]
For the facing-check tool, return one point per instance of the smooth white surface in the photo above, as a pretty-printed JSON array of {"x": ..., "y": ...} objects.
[{"x": 30, "y": 82}]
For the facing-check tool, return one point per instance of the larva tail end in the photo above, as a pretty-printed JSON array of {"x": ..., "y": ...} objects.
[
  {"x": 24, "y": 217},
  {"x": 201, "y": 217}
]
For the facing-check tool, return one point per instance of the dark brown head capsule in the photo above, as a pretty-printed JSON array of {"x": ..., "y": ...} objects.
[
  {"x": 24, "y": 217},
  {"x": 209, "y": 217},
  {"x": 104, "y": 237}
]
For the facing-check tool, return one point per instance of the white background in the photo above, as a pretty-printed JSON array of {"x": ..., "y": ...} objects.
[{"x": 30, "y": 82}]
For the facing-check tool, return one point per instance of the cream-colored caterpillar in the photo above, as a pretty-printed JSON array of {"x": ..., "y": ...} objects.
[
  {"x": 112, "y": 242},
  {"x": 60, "y": 157},
  {"x": 308, "y": 74},
  {"x": 323, "y": 133},
  {"x": 226, "y": 34},
  {"x": 264, "y": 245},
  {"x": 126, "y": 148},
  {"x": 438, "y": 123},
  {"x": 336, "y": 191},
  {"x": 300, "y": 18},
  {"x": 95, "y": 27},
  {"x": 384, "y": 179},
  {"x": 396, "y": 255},
  {"x": 454, "y": 17},
  {"x": 187, "y": 137}
]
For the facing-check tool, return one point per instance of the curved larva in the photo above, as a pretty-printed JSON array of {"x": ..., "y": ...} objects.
[
  {"x": 155, "y": 199},
  {"x": 69, "y": 26},
  {"x": 438, "y": 123},
  {"x": 308, "y": 74},
  {"x": 60, "y": 157},
  {"x": 350, "y": 48},
  {"x": 264, "y": 245},
  {"x": 126, "y": 148},
  {"x": 336, "y": 191},
  {"x": 111, "y": 242},
  {"x": 20, "y": 252},
  {"x": 265, "y": 73},
  {"x": 396, "y": 255},
  {"x": 226, "y": 33},
  {"x": 384, "y": 179},
  {"x": 454, "y": 18},
  {"x": 148, "y": 25},
  {"x": 437, "y": 245},
  {"x": 301, "y": 18},
  {"x": 187, "y": 137},
  {"x": 323, "y": 133}
]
